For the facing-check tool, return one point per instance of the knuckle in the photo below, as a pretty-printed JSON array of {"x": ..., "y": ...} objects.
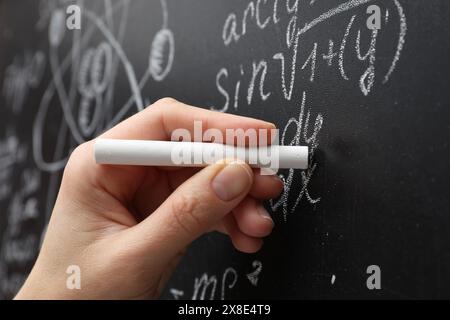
[
  {"x": 78, "y": 159},
  {"x": 185, "y": 209},
  {"x": 80, "y": 149},
  {"x": 166, "y": 102}
]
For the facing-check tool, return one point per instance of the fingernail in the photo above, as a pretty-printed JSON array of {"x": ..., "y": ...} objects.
[
  {"x": 231, "y": 181},
  {"x": 263, "y": 213},
  {"x": 271, "y": 124}
]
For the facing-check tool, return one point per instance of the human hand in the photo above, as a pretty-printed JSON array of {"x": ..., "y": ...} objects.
[{"x": 127, "y": 227}]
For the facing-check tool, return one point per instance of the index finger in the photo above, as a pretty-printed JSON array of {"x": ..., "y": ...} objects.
[{"x": 159, "y": 121}]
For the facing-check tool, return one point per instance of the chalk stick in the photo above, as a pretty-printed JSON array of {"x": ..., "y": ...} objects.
[{"x": 196, "y": 154}]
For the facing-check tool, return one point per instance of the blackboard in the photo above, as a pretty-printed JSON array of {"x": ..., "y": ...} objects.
[{"x": 371, "y": 101}]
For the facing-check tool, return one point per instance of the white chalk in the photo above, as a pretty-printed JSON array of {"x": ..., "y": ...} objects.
[{"x": 196, "y": 154}]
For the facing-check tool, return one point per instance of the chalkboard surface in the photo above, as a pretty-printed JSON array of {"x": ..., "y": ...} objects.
[{"x": 367, "y": 88}]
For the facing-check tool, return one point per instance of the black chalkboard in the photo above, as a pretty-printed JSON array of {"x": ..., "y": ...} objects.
[{"x": 372, "y": 102}]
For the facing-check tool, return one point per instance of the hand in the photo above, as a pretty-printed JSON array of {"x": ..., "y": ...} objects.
[{"x": 127, "y": 227}]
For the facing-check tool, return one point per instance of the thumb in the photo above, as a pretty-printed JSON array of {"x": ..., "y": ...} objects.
[{"x": 196, "y": 207}]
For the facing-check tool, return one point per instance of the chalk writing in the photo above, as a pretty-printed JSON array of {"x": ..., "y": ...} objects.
[
  {"x": 16, "y": 249},
  {"x": 234, "y": 33},
  {"x": 302, "y": 59},
  {"x": 11, "y": 154},
  {"x": 23, "y": 74},
  {"x": 206, "y": 286},
  {"x": 92, "y": 76}
]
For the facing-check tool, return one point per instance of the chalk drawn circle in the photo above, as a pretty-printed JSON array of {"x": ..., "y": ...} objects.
[
  {"x": 101, "y": 68},
  {"x": 57, "y": 28},
  {"x": 161, "y": 54},
  {"x": 84, "y": 85},
  {"x": 89, "y": 114}
]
